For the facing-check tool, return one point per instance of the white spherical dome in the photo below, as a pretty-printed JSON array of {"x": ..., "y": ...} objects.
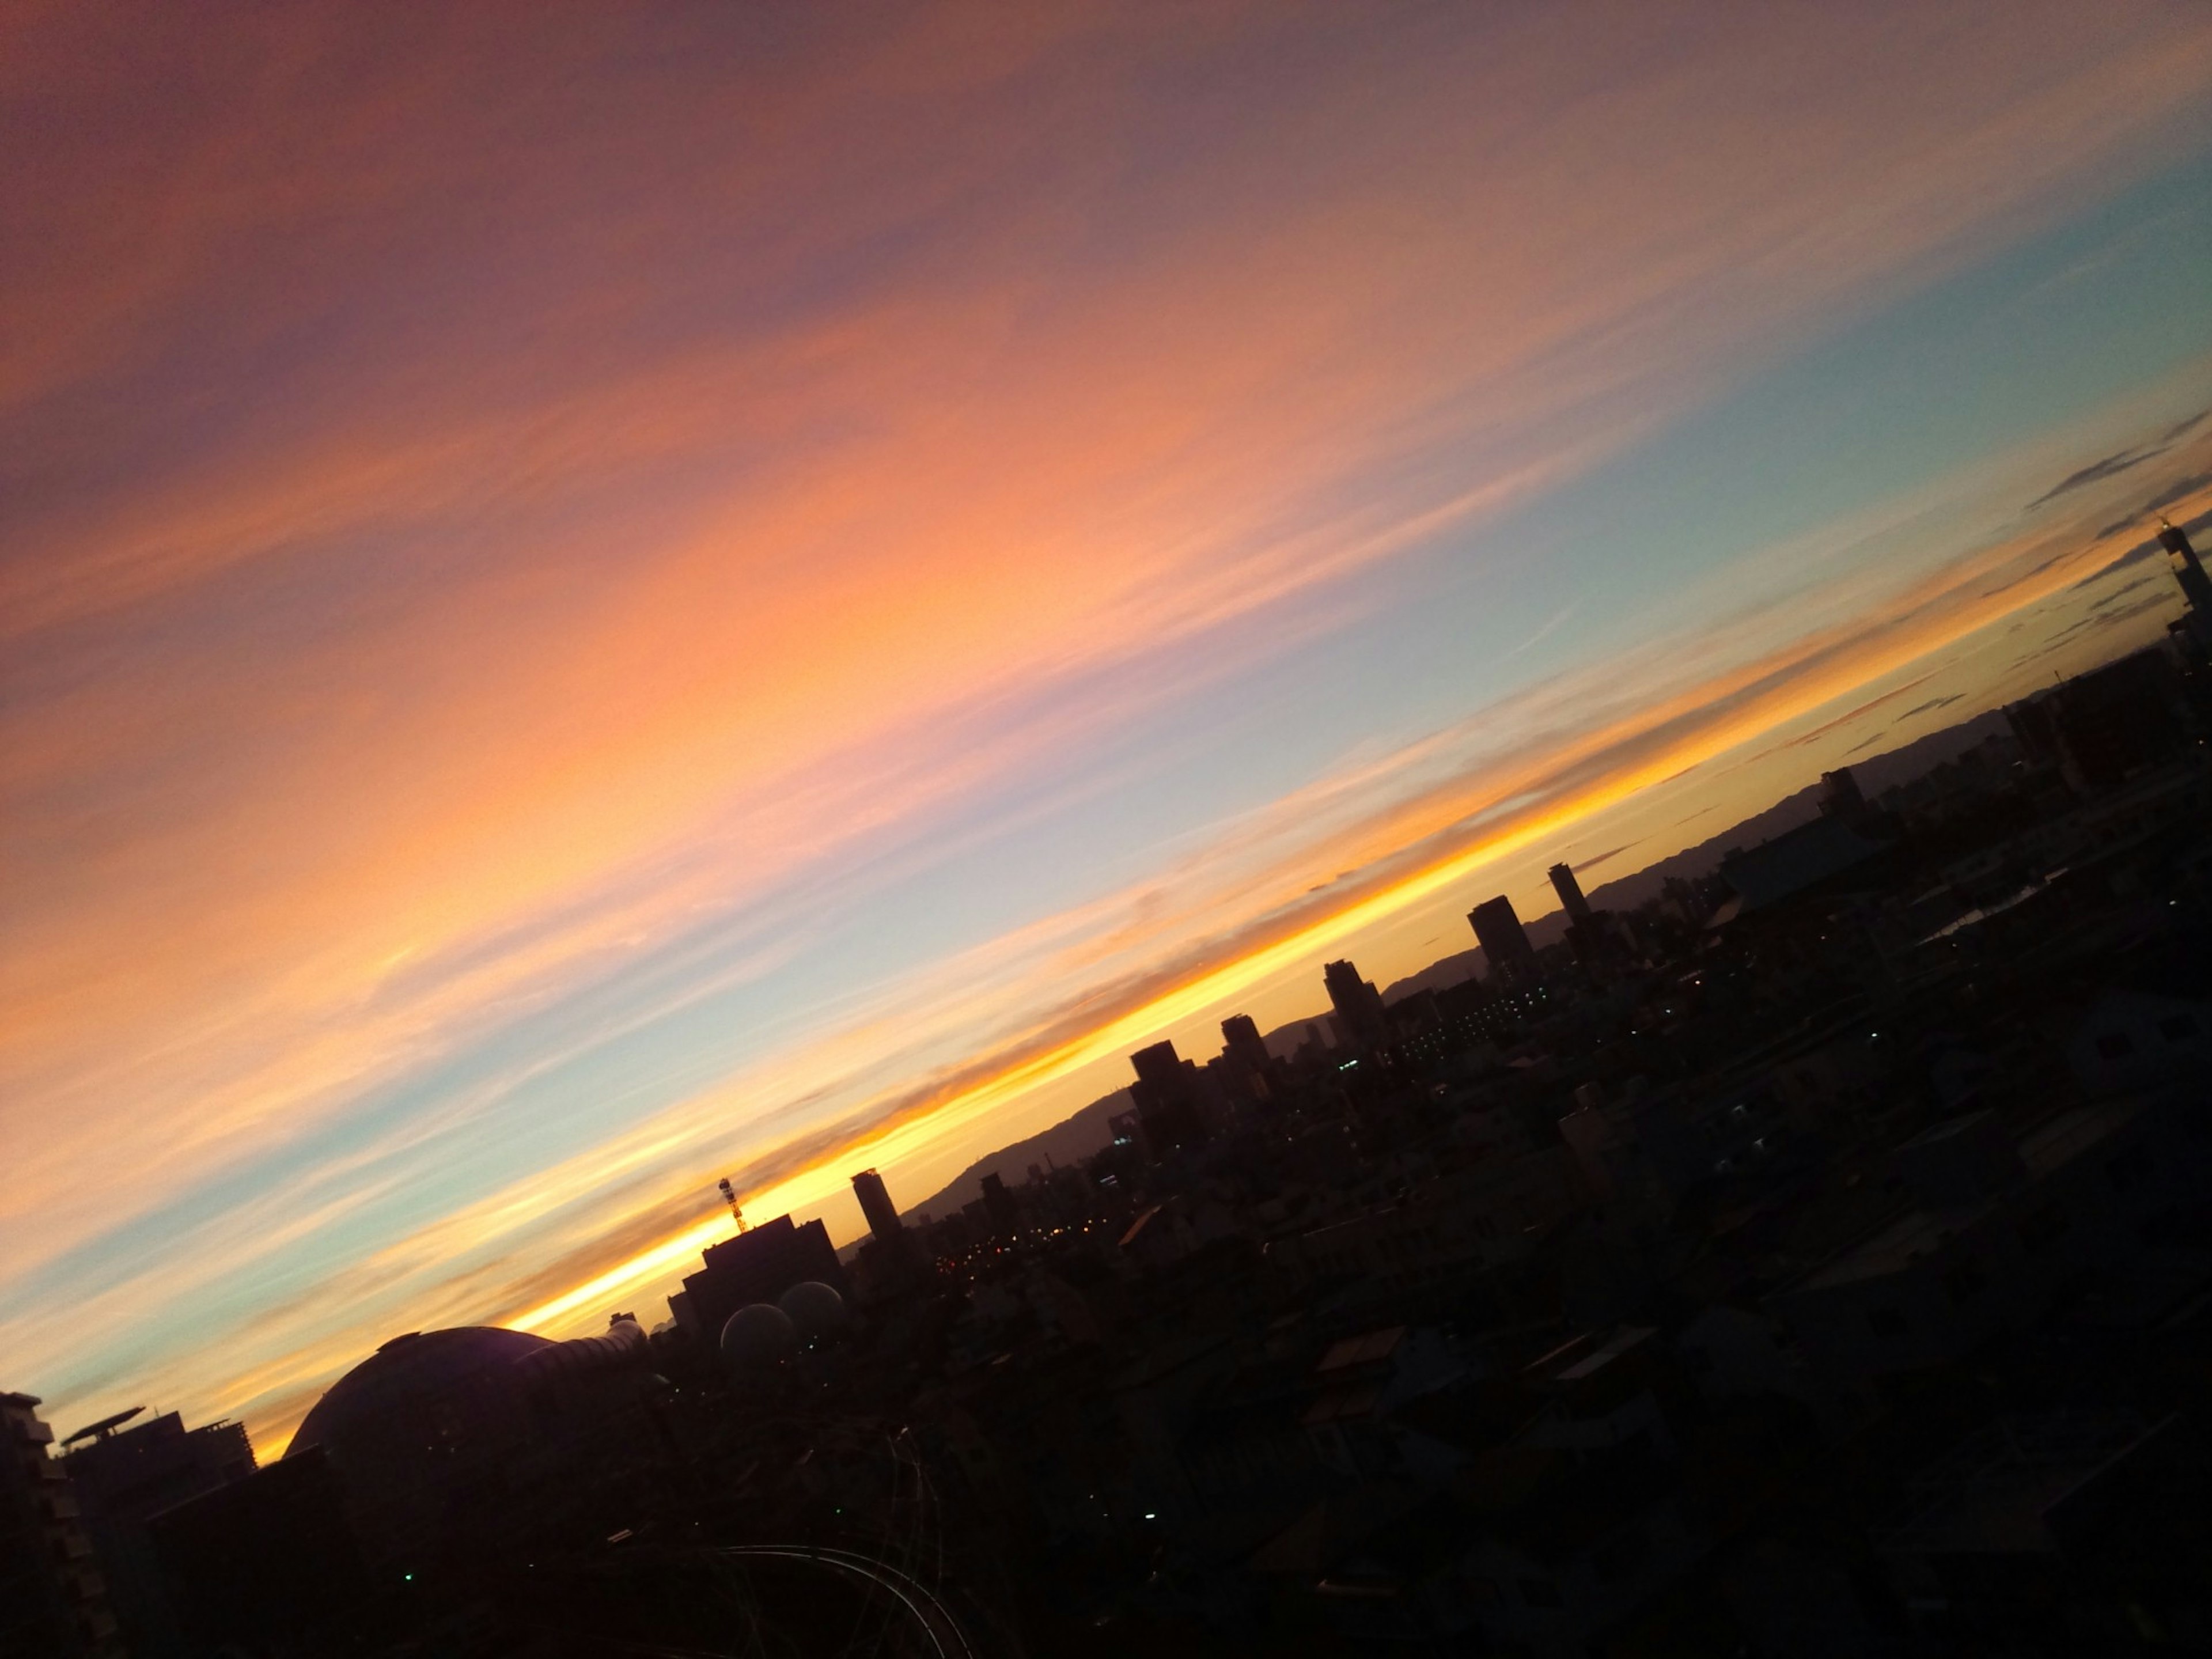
[
  {"x": 815, "y": 1309},
  {"x": 758, "y": 1335}
]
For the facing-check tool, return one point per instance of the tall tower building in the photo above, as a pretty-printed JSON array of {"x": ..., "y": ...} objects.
[
  {"x": 1570, "y": 892},
  {"x": 876, "y": 1204},
  {"x": 1241, "y": 1039},
  {"x": 2188, "y": 569},
  {"x": 1358, "y": 1006},
  {"x": 998, "y": 1204},
  {"x": 2196, "y": 628},
  {"x": 1166, "y": 1096},
  {"x": 1505, "y": 947},
  {"x": 1157, "y": 1066},
  {"x": 1840, "y": 797}
]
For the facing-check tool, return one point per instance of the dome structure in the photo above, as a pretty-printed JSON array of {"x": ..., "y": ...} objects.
[
  {"x": 815, "y": 1309},
  {"x": 434, "y": 1435},
  {"x": 460, "y": 1372},
  {"x": 758, "y": 1335}
]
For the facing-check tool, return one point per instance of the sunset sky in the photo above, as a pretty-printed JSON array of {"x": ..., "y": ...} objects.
[{"x": 594, "y": 598}]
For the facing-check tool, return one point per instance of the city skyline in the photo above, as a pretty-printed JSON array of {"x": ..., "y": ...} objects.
[{"x": 536, "y": 683}]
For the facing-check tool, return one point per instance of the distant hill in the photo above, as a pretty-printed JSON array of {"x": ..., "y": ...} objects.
[
  {"x": 1882, "y": 772},
  {"x": 1454, "y": 969},
  {"x": 1071, "y": 1140},
  {"x": 1077, "y": 1137}
]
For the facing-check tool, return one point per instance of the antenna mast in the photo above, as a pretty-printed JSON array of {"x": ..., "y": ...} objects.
[{"x": 730, "y": 1198}]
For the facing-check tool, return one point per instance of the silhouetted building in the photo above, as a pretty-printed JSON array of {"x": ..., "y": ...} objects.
[
  {"x": 2035, "y": 729},
  {"x": 2189, "y": 571},
  {"x": 1798, "y": 860},
  {"x": 999, "y": 1206},
  {"x": 876, "y": 1204},
  {"x": 2102, "y": 725},
  {"x": 1240, "y": 1036},
  {"x": 1244, "y": 1067},
  {"x": 460, "y": 1444},
  {"x": 124, "y": 1476},
  {"x": 1570, "y": 892},
  {"x": 758, "y": 1265},
  {"x": 1839, "y": 794},
  {"x": 1166, "y": 1096},
  {"x": 1595, "y": 935},
  {"x": 1506, "y": 946},
  {"x": 270, "y": 1562},
  {"x": 53, "y": 1601},
  {"x": 1358, "y": 1006},
  {"x": 2193, "y": 629}
]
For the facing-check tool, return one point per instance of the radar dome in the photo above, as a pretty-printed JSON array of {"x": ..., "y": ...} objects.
[
  {"x": 390, "y": 1399},
  {"x": 429, "y": 1429},
  {"x": 758, "y": 1336},
  {"x": 815, "y": 1309},
  {"x": 425, "y": 1413}
]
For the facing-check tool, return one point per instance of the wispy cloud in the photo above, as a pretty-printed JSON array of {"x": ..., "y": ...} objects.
[
  {"x": 1932, "y": 704},
  {"x": 2111, "y": 467},
  {"x": 1552, "y": 625},
  {"x": 1606, "y": 857}
]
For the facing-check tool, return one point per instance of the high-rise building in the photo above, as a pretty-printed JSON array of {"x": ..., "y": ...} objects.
[
  {"x": 1156, "y": 1066},
  {"x": 53, "y": 1600},
  {"x": 1245, "y": 1067},
  {"x": 1839, "y": 794},
  {"x": 126, "y": 1472},
  {"x": 1570, "y": 892},
  {"x": 1358, "y": 1006},
  {"x": 2193, "y": 631},
  {"x": 2100, "y": 726},
  {"x": 1597, "y": 937},
  {"x": 1166, "y": 1096},
  {"x": 1506, "y": 946},
  {"x": 1240, "y": 1037},
  {"x": 876, "y": 1204},
  {"x": 2188, "y": 569},
  {"x": 999, "y": 1206}
]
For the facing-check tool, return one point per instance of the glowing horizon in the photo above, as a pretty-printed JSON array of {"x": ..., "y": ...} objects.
[{"x": 1214, "y": 989}]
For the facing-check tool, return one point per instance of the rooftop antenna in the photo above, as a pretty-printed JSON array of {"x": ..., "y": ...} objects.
[{"x": 730, "y": 1198}]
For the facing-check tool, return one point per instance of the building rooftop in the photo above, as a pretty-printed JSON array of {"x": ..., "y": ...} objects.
[
  {"x": 1795, "y": 860},
  {"x": 1622, "y": 1342},
  {"x": 1949, "y": 1129},
  {"x": 1999, "y": 1493},
  {"x": 1915, "y": 1234},
  {"x": 2059, "y": 1140},
  {"x": 1356, "y": 1350}
]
